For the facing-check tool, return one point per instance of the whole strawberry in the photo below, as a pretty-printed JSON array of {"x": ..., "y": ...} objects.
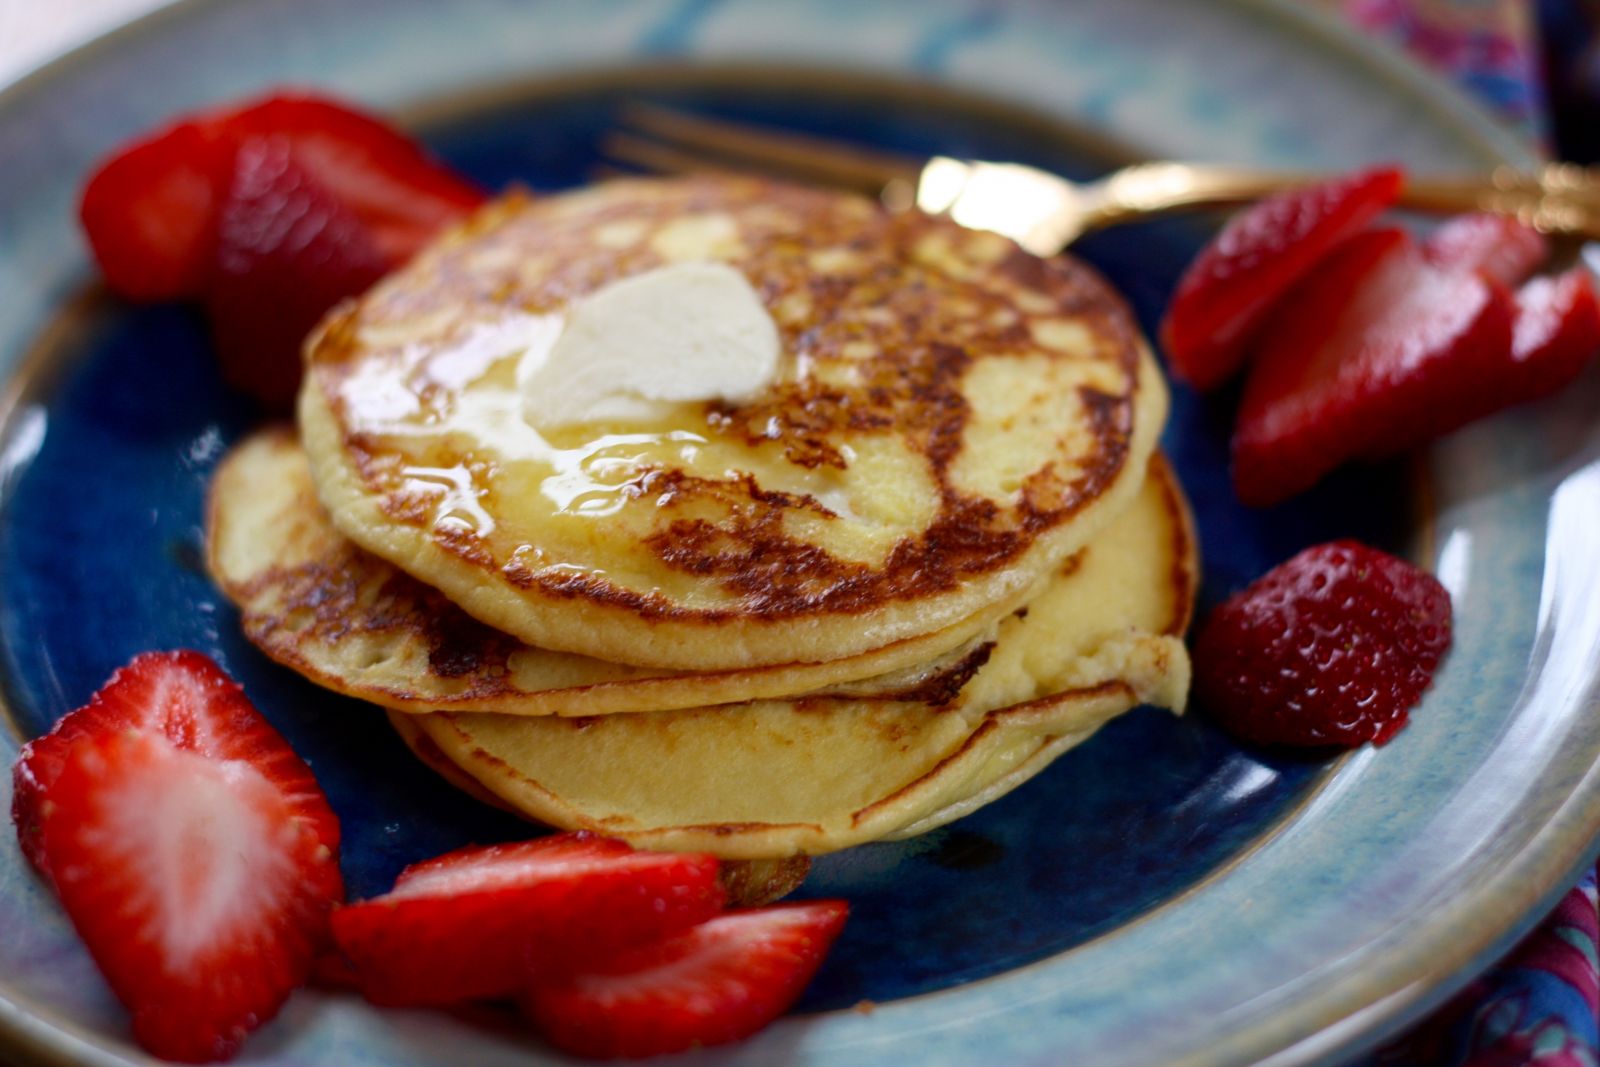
[{"x": 1333, "y": 647}]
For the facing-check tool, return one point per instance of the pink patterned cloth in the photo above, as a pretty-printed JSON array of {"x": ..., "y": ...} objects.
[
  {"x": 1538, "y": 1006},
  {"x": 1491, "y": 47}
]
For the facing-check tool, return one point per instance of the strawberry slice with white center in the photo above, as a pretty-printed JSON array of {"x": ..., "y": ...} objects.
[
  {"x": 150, "y": 208},
  {"x": 186, "y": 698},
  {"x": 1556, "y": 335},
  {"x": 1374, "y": 352},
  {"x": 189, "y": 845},
  {"x": 272, "y": 212},
  {"x": 1556, "y": 330},
  {"x": 199, "y": 889},
  {"x": 719, "y": 982},
  {"x": 1231, "y": 287},
  {"x": 287, "y": 250},
  {"x": 475, "y": 923},
  {"x": 389, "y": 181},
  {"x": 1496, "y": 245}
]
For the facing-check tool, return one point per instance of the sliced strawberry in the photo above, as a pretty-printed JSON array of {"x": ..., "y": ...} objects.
[
  {"x": 186, "y": 698},
  {"x": 1229, "y": 289},
  {"x": 152, "y": 809},
  {"x": 1496, "y": 245},
  {"x": 1557, "y": 334},
  {"x": 331, "y": 970},
  {"x": 1375, "y": 351},
  {"x": 199, "y": 889},
  {"x": 716, "y": 983},
  {"x": 386, "y": 179},
  {"x": 1332, "y": 647},
  {"x": 473, "y": 923},
  {"x": 149, "y": 211},
  {"x": 1557, "y": 323},
  {"x": 287, "y": 251}
]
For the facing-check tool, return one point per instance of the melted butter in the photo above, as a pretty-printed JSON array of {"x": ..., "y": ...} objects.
[
  {"x": 455, "y": 412},
  {"x": 374, "y": 395},
  {"x": 458, "y": 495},
  {"x": 594, "y": 477},
  {"x": 389, "y": 396},
  {"x": 641, "y": 345},
  {"x": 602, "y": 476},
  {"x": 527, "y": 557},
  {"x": 517, "y": 335}
]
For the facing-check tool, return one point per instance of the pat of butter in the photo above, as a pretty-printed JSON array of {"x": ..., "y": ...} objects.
[{"x": 629, "y": 351}]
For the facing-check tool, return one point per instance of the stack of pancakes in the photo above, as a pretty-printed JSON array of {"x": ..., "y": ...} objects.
[{"x": 939, "y": 551}]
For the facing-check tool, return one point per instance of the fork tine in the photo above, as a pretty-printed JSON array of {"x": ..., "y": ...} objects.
[
  {"x": 602, "y": 172},
  {"x": 757, "y": 148},
  {"x": 653, "y": 155}
]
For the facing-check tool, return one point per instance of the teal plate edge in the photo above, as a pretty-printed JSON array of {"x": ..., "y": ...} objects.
[{"x": 1511, "y": 498}]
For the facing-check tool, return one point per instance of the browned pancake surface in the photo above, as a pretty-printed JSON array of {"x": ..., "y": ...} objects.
[{"x": 950, "y": 413}]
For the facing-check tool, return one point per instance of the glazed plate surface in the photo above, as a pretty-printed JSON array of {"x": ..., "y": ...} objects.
[{"x": 1159, "y": 895}]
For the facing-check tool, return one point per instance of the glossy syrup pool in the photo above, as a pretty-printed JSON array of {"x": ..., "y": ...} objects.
[{"x": 100, "y": 548}]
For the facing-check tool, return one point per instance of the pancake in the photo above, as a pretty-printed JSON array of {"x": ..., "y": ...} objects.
[
  {"x": 953, "y": 419},
  {"x": 774, "y": 778},
  {"x": 749, "y": 883},
  {"x": 1009, "y": 768},
  {"x": 351, "y": 622}
]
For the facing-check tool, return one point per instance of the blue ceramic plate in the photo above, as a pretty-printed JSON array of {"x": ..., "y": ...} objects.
[{"x": 1158, "y": 896}]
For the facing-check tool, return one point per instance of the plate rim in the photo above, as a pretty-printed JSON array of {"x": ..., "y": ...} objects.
[
  {"x": 1319, "y": 28},
  {"x": 1562, "y": 848}
]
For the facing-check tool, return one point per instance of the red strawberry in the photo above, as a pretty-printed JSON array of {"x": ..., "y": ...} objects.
[
  {"x": 1331, "y": 648},
  {"x": 332, "y": 971},
  {"x": 287, "y": 251},
  {"x": 716, "y": 983},
  {"x": 1375, "y": 351},
  {"x": 1557, "y": 334},
  {"x": 397, "y": 190},
  {"x": 150, "y": 209},
  {"x": 196, "y": 883},
  {"x": 1496, "y": 245},
  {"x": 471, "y": 924},
  {"x": 186, "y": 698},
  {"x": 1228, "y": 290},
  {"x": 1556, "y": 330}
]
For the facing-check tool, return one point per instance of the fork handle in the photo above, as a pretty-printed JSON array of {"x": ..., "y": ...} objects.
[{"x": 1556, "y": 198}]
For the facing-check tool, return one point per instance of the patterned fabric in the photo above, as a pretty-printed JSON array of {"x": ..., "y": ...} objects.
[
  {"x": 1488, "y": 46},
  {"x": 1541, "y": 1004},
  {"x": 1536, "y": 1007}
]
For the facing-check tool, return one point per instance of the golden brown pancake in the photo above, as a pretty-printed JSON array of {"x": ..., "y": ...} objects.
[
  {"x": 773, "y": 778},
  {"x": 749, "y": 883},
  {"x": 953, "y": 419},
  {"x": 351, "y": 622}
]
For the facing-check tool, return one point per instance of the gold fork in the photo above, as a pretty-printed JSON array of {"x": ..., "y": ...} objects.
[{"x": 1044, "y": 212}]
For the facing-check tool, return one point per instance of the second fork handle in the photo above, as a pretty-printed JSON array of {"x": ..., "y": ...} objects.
[{"x": 1559, "y": 197}]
